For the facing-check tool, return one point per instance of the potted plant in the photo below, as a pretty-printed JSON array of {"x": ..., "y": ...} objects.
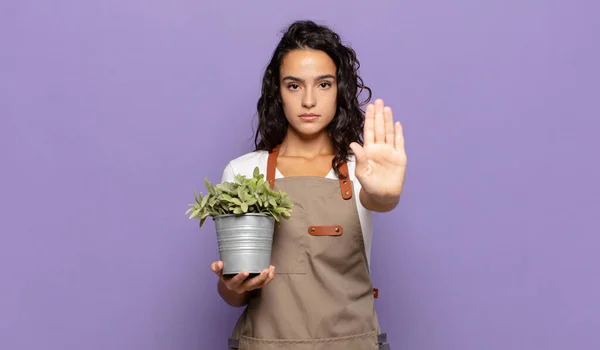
[{"x": 245, "y": 212}]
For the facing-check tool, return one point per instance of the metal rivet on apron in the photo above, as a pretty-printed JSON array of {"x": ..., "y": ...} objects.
[
  {"x": 312, "y": 229},
  {"x": 337, "y": 229},
  {"x": 347, "y": 192}
]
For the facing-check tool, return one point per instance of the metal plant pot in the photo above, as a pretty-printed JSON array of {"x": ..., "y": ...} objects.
[{"x": 245, "y": 242}]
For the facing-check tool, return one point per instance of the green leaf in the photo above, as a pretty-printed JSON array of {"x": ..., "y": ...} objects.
[
  {"x": 272, "y": 201},
  {"x": 209, "y": 186},
  {"x": 204, "y": 201},
  {"x": 243, "y": 195}
]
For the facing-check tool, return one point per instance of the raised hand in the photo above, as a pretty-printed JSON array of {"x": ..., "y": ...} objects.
[{"x": 381, "y": 161}]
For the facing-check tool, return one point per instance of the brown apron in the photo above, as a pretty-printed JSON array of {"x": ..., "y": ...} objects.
[{"x": 321, "y": 297}]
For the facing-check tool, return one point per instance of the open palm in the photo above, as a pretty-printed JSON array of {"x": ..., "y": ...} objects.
[{"x": 381, "y": 161}]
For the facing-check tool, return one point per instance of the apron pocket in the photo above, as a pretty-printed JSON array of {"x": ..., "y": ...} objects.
[
  {"x": 366, "y": 341},
  {"x": 289, "y": 252}
]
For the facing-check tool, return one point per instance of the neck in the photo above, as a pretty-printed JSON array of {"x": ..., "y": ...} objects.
[{"x": 296, "y": 145}]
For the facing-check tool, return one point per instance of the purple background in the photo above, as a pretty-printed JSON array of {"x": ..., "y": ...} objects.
[{"x": 112, "y": 112}]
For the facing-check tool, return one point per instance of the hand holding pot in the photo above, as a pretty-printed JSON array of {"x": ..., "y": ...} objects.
[{"x": 240, "y": 283}]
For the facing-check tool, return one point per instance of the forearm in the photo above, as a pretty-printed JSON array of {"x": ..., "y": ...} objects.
[
  {"x": 378, "y": 203},
  {"x": 231, "y": 297}
]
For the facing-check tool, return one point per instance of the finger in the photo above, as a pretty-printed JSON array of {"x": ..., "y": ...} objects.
[
  {"x": 255, "y": 282},
  {"x": 270, "y": 277},
  {"x": 369, "y": 133},
  {"x": 359, "y": 153},
  {"x": 389, "y": 126},
  {"x": 235, "y": 282},
  {"x": 399, "y": 137},
  {"x": 379, "y": 122}
]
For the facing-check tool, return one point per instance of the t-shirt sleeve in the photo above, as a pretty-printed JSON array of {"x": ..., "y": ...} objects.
[{"x": 228, "y": 174}]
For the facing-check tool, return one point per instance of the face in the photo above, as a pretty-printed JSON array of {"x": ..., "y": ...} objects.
[{"x": 308, "y": 90}]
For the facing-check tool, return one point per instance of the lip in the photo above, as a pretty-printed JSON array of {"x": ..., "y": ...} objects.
[{"x": 309, "y": 116}]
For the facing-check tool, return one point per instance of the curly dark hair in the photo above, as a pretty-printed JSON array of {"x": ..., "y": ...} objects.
[{"x": 347, "y": 124}]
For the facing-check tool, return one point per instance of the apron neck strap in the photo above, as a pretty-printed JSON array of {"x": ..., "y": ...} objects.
[
  {"x": 272, "y": 166},
  {"x": 345, "y": 184}
]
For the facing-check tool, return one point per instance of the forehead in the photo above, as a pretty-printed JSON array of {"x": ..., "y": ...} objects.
[{"x": 307, "y": 63}]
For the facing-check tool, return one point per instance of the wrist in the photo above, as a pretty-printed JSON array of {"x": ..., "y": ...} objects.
[{"x": 378, "y": 202}]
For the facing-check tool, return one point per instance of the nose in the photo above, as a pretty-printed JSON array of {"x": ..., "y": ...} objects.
[{"x": 309, "y": 99}]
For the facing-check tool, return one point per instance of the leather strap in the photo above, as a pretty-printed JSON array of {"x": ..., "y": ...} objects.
[
  {"x": 345, "y": 184},
  {"x": 336, "y": 230},
  {"x": 271, "y": 166}
]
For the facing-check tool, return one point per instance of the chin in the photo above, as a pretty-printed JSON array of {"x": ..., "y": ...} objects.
[{"x": 310, "y": 130}]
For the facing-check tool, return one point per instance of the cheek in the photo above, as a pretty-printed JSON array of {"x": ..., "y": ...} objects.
[
  {"x": 288, "y": 98},
  {"x": 289, "y": 104},
  {"x": 329, "y": 101}
]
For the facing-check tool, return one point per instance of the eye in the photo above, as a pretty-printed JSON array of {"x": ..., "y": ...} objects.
[
  {"x": 293, "y": 86},
  {"x": 325, "y": 84}
]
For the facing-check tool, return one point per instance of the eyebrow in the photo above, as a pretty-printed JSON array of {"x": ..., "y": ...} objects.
[{"x": 320, "y": 77}]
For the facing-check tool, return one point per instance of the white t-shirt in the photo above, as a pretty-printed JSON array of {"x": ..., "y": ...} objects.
[{"x": 246, "y": 163}]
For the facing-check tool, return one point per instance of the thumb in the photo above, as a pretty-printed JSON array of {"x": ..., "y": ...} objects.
[
  {"x": 359, "y": 153},
  {"x": 217, "y": 267}
]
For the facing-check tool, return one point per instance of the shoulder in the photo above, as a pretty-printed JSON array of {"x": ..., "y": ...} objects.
[
  {"x": 249, "y": 160},
  {"x": 245, "y": 164}
]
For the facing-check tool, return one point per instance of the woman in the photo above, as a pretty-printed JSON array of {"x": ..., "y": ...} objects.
[{"x": 317, "y": 294}]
